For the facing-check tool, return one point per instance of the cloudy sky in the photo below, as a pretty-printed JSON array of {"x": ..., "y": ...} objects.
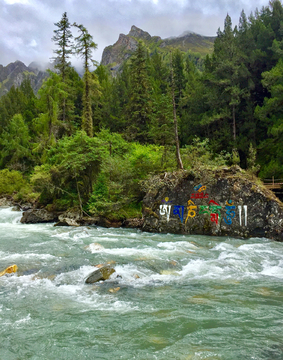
[{"x": 26, "y": 26}]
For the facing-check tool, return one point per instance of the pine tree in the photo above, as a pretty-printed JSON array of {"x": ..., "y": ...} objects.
[
  {"x": 84, "y": 47},
  {"x": 179, "y": 76},
  {"x": 178, "y": 154},
  {"x": 139, "y": 108},
  {"x": 63, "y": 39}
]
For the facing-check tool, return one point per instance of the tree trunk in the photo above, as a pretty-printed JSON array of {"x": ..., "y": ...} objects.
[
  {"x": 178, "y": 155},
  {"x": 234, "y": 123}
]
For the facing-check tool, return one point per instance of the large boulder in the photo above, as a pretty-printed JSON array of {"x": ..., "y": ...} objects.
[
  {"x": 34, "y": 216},
  {"x": 225, "y": 202}
]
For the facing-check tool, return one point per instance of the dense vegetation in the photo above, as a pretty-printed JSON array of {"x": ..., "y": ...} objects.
[{"x": 87, "y": 142}]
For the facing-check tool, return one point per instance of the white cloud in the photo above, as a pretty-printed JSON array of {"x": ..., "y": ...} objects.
[
  {"x": 33, "y": 43},
  {"x": 26, "y": 26},
  {"x": 12, "y": 2}
]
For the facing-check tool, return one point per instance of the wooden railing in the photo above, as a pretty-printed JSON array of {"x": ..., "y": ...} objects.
[{"x": 273, "y": 183}]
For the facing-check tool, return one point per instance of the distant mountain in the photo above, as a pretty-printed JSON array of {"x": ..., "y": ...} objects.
[
  {"x": 114, "y": 55},
  {"x": 14, "y": 73}
]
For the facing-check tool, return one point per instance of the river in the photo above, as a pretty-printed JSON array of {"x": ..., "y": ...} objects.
[{"x": 171, "y": 297}]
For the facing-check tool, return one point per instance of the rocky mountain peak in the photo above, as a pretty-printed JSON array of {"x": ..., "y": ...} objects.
[
  {"x": 14, "y": 73},
  {"x": 139, "y": 33},
  {"x": 115, "y": 55}
]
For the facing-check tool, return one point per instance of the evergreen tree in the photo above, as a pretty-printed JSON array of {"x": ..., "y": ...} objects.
[
  {"x": 139, "y": 108},
  {"x": 178, "y": 154},
  {"x": 84, "y": 47},
  {"x": 46, "y": 125},
  {"x": 63, "y": 39},
  {"x": 179, "y": 76},
  {"x": 15, "y": 145},
  {"x": 225, "y": 78}
]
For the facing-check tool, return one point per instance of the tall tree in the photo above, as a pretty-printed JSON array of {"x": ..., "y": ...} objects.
[
  {"x": 139, "y": 107},
  {"x": 84, "y": 46},
  {"x": 179, "y": 76},
  {"x": 225, "y": 78},
  {"x": 63, "y": 39},
  {"x": 178, "y": 154}
]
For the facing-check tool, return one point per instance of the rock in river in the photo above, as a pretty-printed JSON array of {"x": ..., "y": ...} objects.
[
  {"x": 102, "y": 273},
  {"x": 224, "y": 202}
]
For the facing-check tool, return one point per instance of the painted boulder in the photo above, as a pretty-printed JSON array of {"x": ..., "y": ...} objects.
[{"x": 223, "y": 202}]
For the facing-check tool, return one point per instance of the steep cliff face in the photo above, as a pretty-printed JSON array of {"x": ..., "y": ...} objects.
[
  {"x": 119, "y": 52},
  {"x": 15, "y": 73},
  {"x": 114, "y": 55},
  {"x": 225, "y": 202}
]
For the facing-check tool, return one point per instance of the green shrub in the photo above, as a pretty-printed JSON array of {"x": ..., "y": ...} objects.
[{"x": 13, "y": 183}]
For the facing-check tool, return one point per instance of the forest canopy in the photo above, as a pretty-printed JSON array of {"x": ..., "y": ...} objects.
[{"x": 88, "y": 141}]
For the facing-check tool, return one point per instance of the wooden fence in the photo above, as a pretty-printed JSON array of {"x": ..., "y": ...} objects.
[{"x": 273, "y": 183}]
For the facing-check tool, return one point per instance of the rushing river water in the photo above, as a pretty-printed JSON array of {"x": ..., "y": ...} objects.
[{"x": 176, "y": 297}]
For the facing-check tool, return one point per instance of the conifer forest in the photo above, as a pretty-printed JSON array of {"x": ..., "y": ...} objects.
[{"x": 89, "y": 141}]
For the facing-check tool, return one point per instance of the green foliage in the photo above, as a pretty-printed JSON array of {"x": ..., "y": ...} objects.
[
  {"x": 139, "y": 107},
  {"x": 199, "y": 154},
  {"x": 15, "y": 145},
  {"x": 13, "y": 183},
  {"x": 235, "y": 157},
  {"x": 251, "y": 160},
  {"x": 99, "y": 198},
  {"x": 272, "y": 169}
]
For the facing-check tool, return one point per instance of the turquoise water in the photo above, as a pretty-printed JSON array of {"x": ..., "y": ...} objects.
[{"x": 176, "y": 297}]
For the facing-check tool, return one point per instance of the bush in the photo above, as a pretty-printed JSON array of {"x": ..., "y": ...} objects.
[{"x": 13, "y": 183}]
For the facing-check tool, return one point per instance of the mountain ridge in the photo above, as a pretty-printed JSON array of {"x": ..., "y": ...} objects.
[
  {"x": 14, "y": 73},
  {"x": 115, "y": 55}
]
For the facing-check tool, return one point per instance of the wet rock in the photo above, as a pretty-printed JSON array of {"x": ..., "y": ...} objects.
[
  {"x": 135, "y": 223},
  {"x": 102, "y": 273},
  {"x": 223, "y": 202},
  {"x": 107, "y": 223},
  {"x": 67, "y": 222},
  {"x": 6, "y": 202},
  {"x": 70, "y": 217},
  {"x": 34, "y": 216}
]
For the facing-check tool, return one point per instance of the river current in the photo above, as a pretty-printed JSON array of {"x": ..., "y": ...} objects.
[{"x": 171, "y": 297}]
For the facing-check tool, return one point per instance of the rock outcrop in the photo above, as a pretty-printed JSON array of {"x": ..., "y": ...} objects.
[{"x": 224, "y": 202}]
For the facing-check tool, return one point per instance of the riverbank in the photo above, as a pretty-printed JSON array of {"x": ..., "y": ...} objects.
[{"x": 221, "y": 202}]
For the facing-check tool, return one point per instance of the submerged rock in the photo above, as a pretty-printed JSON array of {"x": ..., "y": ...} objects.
[
  {"x": 102, "y": 273},
  {"x": 225, "y": 202},
  {"x": 95, "y": 247}
]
